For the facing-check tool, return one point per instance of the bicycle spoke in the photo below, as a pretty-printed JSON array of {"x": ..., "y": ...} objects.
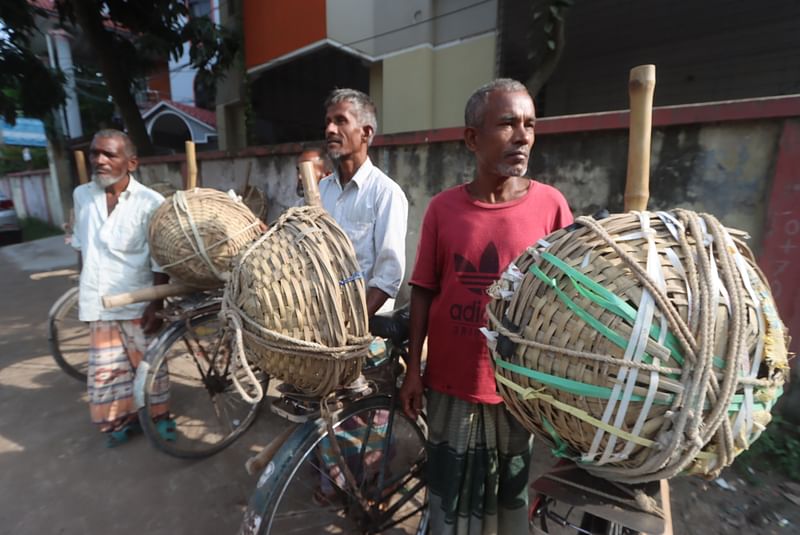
[
  {"x": 202, "y": 402},
  {"x": 374, "y": 451}
]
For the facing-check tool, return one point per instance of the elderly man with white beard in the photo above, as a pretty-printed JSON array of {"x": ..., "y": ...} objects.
[{"x": 112, "y": 214}]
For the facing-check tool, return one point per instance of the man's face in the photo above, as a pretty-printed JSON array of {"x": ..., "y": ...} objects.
[
  {"x": 502, "y": 144},
  {"x": 319, "y": 168},
  {"x": 109, "y": 162},
  {"x": 344, "y": 134}
]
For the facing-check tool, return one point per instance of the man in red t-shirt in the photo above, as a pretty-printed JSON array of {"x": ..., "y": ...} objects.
[{"x": 478, "y": 454}]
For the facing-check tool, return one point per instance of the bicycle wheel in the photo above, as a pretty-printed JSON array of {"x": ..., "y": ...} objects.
[
  {"x": 208, "y": 411},
  {"x": 69, "y": 336},
  {"x": 301, "y": 491}
]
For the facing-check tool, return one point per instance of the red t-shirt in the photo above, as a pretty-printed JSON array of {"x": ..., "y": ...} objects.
[{"x": 464, "y": 246}]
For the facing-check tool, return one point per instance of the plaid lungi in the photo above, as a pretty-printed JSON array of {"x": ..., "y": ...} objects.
[
  {"x": 115, "y": 350},
  {"x": 478, "y": 461}
]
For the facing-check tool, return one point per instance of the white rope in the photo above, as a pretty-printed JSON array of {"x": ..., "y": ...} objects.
[{"x": 241, "y": 358}]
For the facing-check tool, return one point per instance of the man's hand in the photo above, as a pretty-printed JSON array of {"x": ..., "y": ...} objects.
[
  {"x": 411, "y": 394},
  {"x": 151, "y": 321}
]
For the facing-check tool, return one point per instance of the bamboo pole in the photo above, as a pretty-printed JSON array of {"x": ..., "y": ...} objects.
[
  {"x": 80, "y": 164},
  {"x": 310, "y": 186},
  {"x": 641, "y": 86},
  {"x": 191, "y": 166}
]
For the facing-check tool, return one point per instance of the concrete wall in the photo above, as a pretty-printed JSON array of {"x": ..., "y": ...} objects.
[
  {"x": 33, "y": 195},
  {"x": 380, "y": 27},
  {"x": 427, "y": 87},
  {"x": 453, "y": 84},
  {"x": 408, "y": 91},
  {"x": 720, "y": 165}
]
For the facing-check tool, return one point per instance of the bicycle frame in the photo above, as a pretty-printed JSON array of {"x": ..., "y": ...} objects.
[{"x": 612, "y": 502}]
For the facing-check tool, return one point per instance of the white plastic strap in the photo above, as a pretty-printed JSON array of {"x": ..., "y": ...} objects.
[
  {"x": 675, "y": 260},
  {"x": 633, "y": 352}
]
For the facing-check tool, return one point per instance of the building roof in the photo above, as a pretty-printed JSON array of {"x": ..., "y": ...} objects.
[{"x": 206, "y": 117}]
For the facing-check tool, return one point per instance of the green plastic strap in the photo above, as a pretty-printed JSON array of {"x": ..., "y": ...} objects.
[
  {"x": 595, "y": 292},
  {"x": 567, "y": 385},
  {"x": 616, "y": 338},
  {"x": 562, "y": 448},
  {"x": 613, "y": 303}
]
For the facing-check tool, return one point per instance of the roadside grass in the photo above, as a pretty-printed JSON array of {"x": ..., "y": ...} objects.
[{"x": 34, "y": 229}]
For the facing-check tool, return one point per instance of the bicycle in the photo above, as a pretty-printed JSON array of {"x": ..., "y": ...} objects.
[
  {"x": 195, "y": 351},
  {"x": 362, "y": 461},
  {"x": 68, "y": 336},
  {"x": 570, "y": 497}
]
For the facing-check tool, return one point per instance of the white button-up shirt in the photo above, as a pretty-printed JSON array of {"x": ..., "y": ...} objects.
[
  {"x": 114, "y": 248},
  {"x": 373, "y": 212}
]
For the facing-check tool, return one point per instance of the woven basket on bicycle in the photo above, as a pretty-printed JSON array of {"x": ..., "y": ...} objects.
[
  {"x": 644, "y": 345},
  {"x": 195, "y": 235},
  {"x": 299, "y": 300}
]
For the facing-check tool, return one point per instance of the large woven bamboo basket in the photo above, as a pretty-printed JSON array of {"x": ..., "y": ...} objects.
[
  {"x": 195, "y": 235},
  {"x": 644, "y": 345},
  {"x": 299, "y": 300}
]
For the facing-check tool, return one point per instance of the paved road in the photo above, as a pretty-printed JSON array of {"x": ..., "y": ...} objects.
[{"x": 57, "y": 475}]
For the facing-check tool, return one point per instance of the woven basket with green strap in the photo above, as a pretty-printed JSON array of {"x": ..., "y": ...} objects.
[{"x": 643, "y": 346}]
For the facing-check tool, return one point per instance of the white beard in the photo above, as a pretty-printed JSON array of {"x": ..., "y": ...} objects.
[
  {"x": 505, "y": 169},
  {"x": 106, "y": 181}
]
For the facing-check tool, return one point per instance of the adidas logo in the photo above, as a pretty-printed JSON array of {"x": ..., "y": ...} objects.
[{"x": 478, "y": 279}]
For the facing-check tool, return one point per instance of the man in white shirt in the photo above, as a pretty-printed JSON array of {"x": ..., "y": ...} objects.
[
  {"x": 112, "y": 214},
  {"x": 368, "y": 205}
]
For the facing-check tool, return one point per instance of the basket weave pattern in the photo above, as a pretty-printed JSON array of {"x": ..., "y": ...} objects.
[
  {"x": 644, "y": 345},
  {"x": 195, "y": 235},
  {"x": 300, "y": 301}
]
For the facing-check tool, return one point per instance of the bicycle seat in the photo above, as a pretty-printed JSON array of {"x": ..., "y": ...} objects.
[{"x": 391, "y": 325}]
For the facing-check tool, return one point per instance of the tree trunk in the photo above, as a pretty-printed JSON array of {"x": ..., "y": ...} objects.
[
  {"x": 119, "y": 84},
  {"x": 545, "y": 70}
]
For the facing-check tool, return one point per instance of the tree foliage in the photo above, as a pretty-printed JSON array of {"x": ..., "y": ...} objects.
[
  {"x": 27, "y": 85},
  {"x": 145, "y": 32},
  {"x": 132, "y": 38}
]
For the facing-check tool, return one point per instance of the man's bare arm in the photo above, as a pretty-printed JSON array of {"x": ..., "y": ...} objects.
[
  {"x": 412, "y": 389},
  {"x": 375, "y": 300}
]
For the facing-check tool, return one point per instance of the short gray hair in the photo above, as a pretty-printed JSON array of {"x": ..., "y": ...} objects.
[
  {"x": 473, "y": 112},
  {"x": 127, "y": 143},
  {"x": 363, "y": 107}
]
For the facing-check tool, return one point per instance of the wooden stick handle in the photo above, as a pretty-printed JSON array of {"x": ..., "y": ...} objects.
[
  {"x": 260, "y": 460},
  {"x": 80, "y": 163},
  {"x": 310, "y": 186},
  {"x": 641, "y": 86},
  {"x": 191, "y": 166},
  {"x": 147, "y": 294}
]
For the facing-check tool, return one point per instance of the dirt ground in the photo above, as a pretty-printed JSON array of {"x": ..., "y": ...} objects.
[{"x": 58, "y": 477}]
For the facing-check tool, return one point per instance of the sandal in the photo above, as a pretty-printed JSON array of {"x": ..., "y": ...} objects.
[
  {"x": 122, "y": 435},
  {"x": 166, "y": 429}
]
